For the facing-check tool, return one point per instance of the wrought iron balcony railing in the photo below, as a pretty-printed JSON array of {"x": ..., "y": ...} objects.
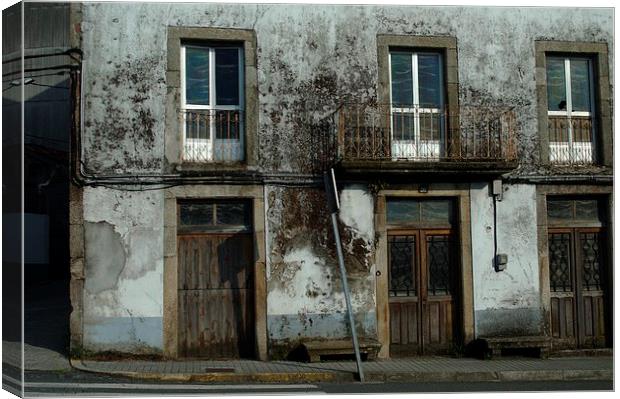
[
  {"x": 386, "y": 132},
  {"x": 215, "y": 135},
  {"x": 570, "y": 140}
]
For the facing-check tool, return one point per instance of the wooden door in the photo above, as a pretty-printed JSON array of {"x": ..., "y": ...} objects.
[
  {"x": 577, "y": 283},
  {"x": 215, "y": 288},
  {"x": 421, "y": 285}
]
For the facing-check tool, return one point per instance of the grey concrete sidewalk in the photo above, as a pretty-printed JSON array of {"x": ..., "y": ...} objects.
[{"x": 410, "y": 370}]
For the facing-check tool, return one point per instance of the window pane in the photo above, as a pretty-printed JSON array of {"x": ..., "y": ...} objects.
[
  {"x": 192, "y": 214},
  {"x": 556, "y": 84},
  {"x": 227, "y": 124},
  {"x": 586, "y": 210},
  {"x": 402, "y": 80},
  {"x": 438, "y": 258},
  {"x": 581, "y": 129},
  {"x": 197, "y": 75},
  {"x": 437, "y": 210},
  {"x": 402, "y": 269},
  {"x": 233, "y": 214},
  {"x": 403, "y": 126},
  {"x": 430, "y": 126},
  {"x": 429, "y": 79},
  {"x": 560, "y": 209},
  {"x": 227, "y": 76},
  {"x": 197, "y": 125},
  {"x": 580, "y": 84},
  {"x": 403, "y": 211}
]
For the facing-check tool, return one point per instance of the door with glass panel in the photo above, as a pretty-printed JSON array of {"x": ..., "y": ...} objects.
[
  {"x": 570, "y": 99},
  {"x": 417, "y": 105},
  {"x": 422, "y": 282},
  {"x": 215, "y": 279},
  {"x": 578, "y": 276},
  {"x": 212, "y": 103}
]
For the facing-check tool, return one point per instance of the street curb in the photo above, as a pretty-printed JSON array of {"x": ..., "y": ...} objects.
[
  {"x": 293, "y": 377},
  {"x": 335, "y": 376}
]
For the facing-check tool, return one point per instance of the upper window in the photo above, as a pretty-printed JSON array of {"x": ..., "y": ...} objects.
[
  {"x": 417, "y": 103},
  {"x": 212, "y": 85},
  {"x": 578, "y": 209},
  {"x": 570, "y": 109},
  {"x": 403, "y": 211},
  {"x": 211, "y": 215}
]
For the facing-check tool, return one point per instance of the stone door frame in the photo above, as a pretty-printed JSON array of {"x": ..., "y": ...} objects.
[
  {"x": 461, "y": 194},
  {"x": 170, "y": 311}
]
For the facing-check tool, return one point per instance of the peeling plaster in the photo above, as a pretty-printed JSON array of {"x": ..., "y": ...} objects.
[
  {"x": 309, "y": 58},
  {"x": 105, "y": 257},
  {"x": 124, "y": 269}
]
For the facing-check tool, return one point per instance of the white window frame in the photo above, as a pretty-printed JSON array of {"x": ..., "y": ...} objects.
[
  {"x": 418, "y": 148},
  {"x": 561, "y": 151},
  {"x": 210, "y": 147}
]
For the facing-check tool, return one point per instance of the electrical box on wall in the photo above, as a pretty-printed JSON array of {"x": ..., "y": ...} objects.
[
  {"x": 501, "y": 261},
  {"x": 497, "y": 189}
]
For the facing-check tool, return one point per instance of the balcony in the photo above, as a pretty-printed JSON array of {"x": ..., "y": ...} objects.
[
  {"x": 381, "y": 137},
  {"x": 570, "y": 140},
  {"x": 212, "y": 136}
]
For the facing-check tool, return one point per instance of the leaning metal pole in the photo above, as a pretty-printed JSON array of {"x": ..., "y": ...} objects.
[{"x": 332, "y": 195}]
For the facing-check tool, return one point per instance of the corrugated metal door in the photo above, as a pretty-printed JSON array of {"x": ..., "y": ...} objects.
[{"x": 215, "y": 277}]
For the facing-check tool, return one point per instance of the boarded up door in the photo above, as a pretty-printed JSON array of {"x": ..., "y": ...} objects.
[{"x": 215, "y": 277}]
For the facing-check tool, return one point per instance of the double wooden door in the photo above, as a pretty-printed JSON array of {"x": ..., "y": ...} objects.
[
  {"x": 215, "y": 295},
  {"x": 578, "y": 278},
  {"x": 422, "y": 291}
]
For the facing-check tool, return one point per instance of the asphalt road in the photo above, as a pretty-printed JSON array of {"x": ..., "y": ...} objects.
[{"x": 66, "y": 384}]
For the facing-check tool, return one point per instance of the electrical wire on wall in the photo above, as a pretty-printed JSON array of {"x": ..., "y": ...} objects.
[
  {"x": 495, "y": 261},
  {"x": 499, "y": 259},
  {"x": 158, "y": 181}
]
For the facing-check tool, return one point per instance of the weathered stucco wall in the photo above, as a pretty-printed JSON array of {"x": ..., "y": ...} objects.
[
  {"x": 305, "y": 298},
  {"x": 308, "y": 57},
  {"x": 123, "y": 288},
  {"x": 508, "y": 302}
]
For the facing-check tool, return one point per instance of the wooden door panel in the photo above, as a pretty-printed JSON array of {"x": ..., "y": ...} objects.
[
  {"x": 197, "y": 262},
  {"x": 439, "y": 258},
  {"x": 563, "y": 321},
  {"x": 234, "y": 253},
  {"x": 591, "y": 281},
  {"x": 421, "y": 283},
  {"x": 404, "y": 328},
  {"x": 218, "y": 323},
  {"x": 404, "y": 323},
  {"x": 576, "y": 268},
  {"x": 562, "y": 296},
  {"x": 438, "y": 327},
  {"x": 403, "y": 280},
  {"x": 594, "y": 319},
  {"x": 215, "y": 296}
]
